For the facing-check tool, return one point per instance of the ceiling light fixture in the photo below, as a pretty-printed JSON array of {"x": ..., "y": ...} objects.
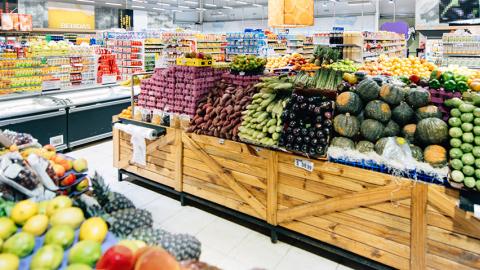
[
  {"x": 209, "y": 5},
  {"x": 86, "y": 1},
  {"x": 138, "y": 7},
  {"x": 201, "y": 9},
  {"x": 113, "y": 4},
  {"x": 159, "y": 8},
  {"x": 354, "y": 3},
  {"x": 183, "y": 6},
  {"x": 163, "y": 4},
  {"x": 176, "y": 10},
  {"x": 227, "y": 7},
  {"x": 241, "y": 2},
  {"x": 190, "y": 2},
  {"x": 257, "y": 5}
]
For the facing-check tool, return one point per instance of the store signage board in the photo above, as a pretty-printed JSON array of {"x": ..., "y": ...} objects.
[
  {"x": 71, "y": 16},
  {"x": 125, "y": 19}
]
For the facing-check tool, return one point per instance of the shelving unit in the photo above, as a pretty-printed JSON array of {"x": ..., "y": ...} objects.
[
  {"x": 212, "y": 44},
  {"x": 461, "y": 49},
  {"x": 246, "y": 43},
  {"x": 129, "y": 55}
]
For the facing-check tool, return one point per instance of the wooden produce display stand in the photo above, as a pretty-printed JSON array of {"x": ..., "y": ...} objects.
[{"x": 395, "y": 221}]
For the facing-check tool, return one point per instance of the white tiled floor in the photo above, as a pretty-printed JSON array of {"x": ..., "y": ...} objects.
[{"x": 224, "y": 244}]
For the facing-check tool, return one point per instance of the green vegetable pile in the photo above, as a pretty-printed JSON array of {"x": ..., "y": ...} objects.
[
  {"x": 262, "y": 123},
  {"x": 449, "y": 81},
  {"x": 5, "y": 207},
  {"x": 325, "y": 55},
  {"x": 248, "y": 64},
  {"x": 465, "y": 142},
  {"x": 345, "y": 65},
  {"x": 325, "y": 79}
]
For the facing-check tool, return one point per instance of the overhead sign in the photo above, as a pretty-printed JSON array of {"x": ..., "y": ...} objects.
[
  {"x": 71, "y": 16},
  {"x": 125, "y": 18}
]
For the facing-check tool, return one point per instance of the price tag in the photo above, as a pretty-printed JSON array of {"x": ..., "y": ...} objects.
[
  {"x": 56, "y": 140},
  {"x": 304, "y": 164},
  {"x": 221, "y": 141},
  {"x": 54, "y": 84},
  {"x": 241, "y": 73},
  {"x": 476, "y": 210}
]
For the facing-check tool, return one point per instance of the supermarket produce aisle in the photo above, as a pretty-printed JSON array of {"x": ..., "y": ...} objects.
[{"x": 225, "y": 244}]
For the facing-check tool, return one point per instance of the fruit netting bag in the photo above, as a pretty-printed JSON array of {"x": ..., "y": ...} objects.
[{"x": 397, "y": 151}]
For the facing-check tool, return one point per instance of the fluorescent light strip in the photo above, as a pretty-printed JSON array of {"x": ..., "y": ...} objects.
[
  {"x": 257, "y": 5},
  {"x": 201, "y": 9},
  {"x": 163, "y": 4},
  {"x": 227, "y": 7},
  {"x": 241, "y": 3},
  {"x": 210, "y": 5},
  {"x": 190, "y": 2},
  {"x": 159, "y": 8},
  {"x": 86, "y": 1},
  {"x": 177, "y": 10},
  {"x": 183, "y": 7},
  {"x": 112, "y": 4},
  {"x": 138, "y": 7}
]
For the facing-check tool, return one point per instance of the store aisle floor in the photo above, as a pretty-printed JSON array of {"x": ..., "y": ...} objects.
[{"x": 224, "y": 243}]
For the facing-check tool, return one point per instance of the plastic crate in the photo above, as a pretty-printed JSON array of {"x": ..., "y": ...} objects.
[{"x": 193, "y": 62}]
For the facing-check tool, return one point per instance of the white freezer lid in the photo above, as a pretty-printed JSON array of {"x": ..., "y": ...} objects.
[{"x": 10, "y": 108}]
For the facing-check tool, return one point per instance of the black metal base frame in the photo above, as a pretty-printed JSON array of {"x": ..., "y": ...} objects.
[{"x": 275, "y": 233}]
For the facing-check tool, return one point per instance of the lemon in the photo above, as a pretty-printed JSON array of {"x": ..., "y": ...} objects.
[
  {"x": 36, "y": 225},
  {"x": 9, "y": 261},
  {"x": 7, "y": 228},
  {"x": 94, "y": 228},
  {"x": 23, "y": 210}
]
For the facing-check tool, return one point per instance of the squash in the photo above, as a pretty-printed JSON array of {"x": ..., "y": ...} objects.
[
  {"x": 365, "y": 147},
  {"x": 391, "y": 94},
  {"x": 435, "y": 155},
  {"x": 368, "y": 89},
  {"x": 346, "y": 125},
  {"x": 417, "y": 152},
  {"x": 418, "y": 97},
  {"x": 372, "y": 130},
  {"x": 402, "y": 114},
  {"x": 349, "y": 102},
  {"x": 427, "y": 112},
  {"x": 380, "y": 145},
  {"x": 391, "y": 129},
  {"x": 431, "y": 131},
  {"x": 408, "y": 132},
  {"x": 378, "y": 110},
  {"x": 342, "y": 142}
]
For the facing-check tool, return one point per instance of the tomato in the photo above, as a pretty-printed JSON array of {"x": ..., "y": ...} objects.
[{"x": 117, "y": 258}]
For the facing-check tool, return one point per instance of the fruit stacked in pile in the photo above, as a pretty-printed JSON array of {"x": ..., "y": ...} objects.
[
  {"x": 378, "y": 110},
  {"x": 399, "y": 67},
  {"x": 464, "y": 132},
  {"x": 278, "y": 62},
  {"x": 126, "y": 113},
  {"x": 249, "y": 64},
  {"x": 308, "y": 124}
]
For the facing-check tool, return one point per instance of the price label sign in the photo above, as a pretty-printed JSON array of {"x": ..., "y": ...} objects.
[{"x": 304, "y": 164}]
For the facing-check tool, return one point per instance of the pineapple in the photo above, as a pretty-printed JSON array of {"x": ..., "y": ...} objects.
[
  {"x": 110, "y": 201},
  {"x": 122, "y": 222},
  {"x": 182, "y": 246},
  {"x": 148, "y": 235}
]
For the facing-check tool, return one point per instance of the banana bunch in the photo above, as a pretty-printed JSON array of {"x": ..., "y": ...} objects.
[{"x": 136, "y": 80}]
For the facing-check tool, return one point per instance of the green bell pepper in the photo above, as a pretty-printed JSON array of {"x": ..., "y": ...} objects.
[
  {"x": 460, "y": 78},
  {"x": 462, "y": 86},
  {"x": 436, "y": 75},
  {"x": 450, "y": 85},
  {"x": 447, "y": 76},
  {"x": 404, "y": 79},
  {"x": 435, "y": 84}
]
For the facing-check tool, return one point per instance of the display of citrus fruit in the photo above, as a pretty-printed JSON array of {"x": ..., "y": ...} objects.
[
  {"x": 36, "y": 225},
  {"x": 9, "y": 261},
  {"x": 62, "y": 235},
  {"x": 94, "y": 228},
  {"x": 7, "y": 227},
  {"x": 23, "y": 210},
  {"x": 20, "y": 244}
]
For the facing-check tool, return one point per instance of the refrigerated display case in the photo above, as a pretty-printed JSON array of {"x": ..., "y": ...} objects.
[{"x": 65, "y": 118}]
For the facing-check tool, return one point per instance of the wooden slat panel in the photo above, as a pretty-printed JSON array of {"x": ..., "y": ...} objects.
[
  {"x": 310, "y": 185},
  {"x": 439, "y": 263},
  {"x": 344, "y": 202},
  {"x": 230, "y": 164},
  {"x": 462, "y": 256},
  {"x": 154, "y": 176},
  {"x": 342, "y": 170},
  {"x": 272, "y": 191},
  {"x": 167, "y": 148},
  {"x": 453, "y": 239},
  {"x": 245, "y": 158},
  {"x": 346, "y": 243},
  {"x": 385, "y": 219},
  {"x": 419, "y": 227}
]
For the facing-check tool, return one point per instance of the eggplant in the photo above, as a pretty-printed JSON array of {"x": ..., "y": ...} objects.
[
  {"x": 317, "y": 110},
  {"x": 288, "y": 146},
  {"x": 300, "y": 98},
  {"x": 299, "y": 139},
  {"x": 303, "y": 106},
  {"x": 293, "y": 124},
  {"x": 320, "y": 150},
  {"x": 328, "y": 115},
  {"x": 318, "y": 125},
  {"x": 295, "y": 107},
  {"x": 288, "y": 130},
  {"x": 326, "y": 131},
  {"x": 311, "y": 107},
  {"x": 296, "y": 132},
  {"x": 307, "y": 139},
  {"x": 304, "y": 132},
  {"x": 314, "y": 141},
  {"x": 311, "y": 133},
  {"x": 296, "y": 147},
  {"x": 304, "y": 148},
  {"x": 312, "y": 152},
  {"x": 292, "y": 116},
  {"x": 319, "y": 134},
  {"x": 327, "y": 123},
  {"x": 319, "y": 119},
  {"x": 290, "y": 138}
]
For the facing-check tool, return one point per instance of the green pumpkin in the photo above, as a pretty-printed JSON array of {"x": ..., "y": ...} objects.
[
  {"x": 417, "y": 152},
  {"x": 380, "y": 145},
  {"x": 391, "y": 129},
  {"x": 372, "y": 130},
  {"x": 349, "y": 102},
  {"x": 342, "y": 142},
  {"x": 368, "y": 89},
  {"x": 408, "y": 132},
  {"x": 418, "y": 97},
  {"x": 431, "y": 131},
  {"x": 427, "y": 112},
  {"x": 402, "y": 114},
  {"x": 346, "y": 125},
  {"x": 391, "y": 94},
  {"x": 435, "y": 155},
  {"x": 378, "y": 110},
  {"x": 365, "y": 147}
]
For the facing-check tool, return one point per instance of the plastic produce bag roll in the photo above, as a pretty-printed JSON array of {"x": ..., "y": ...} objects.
[{"x": 138, "y": 136}]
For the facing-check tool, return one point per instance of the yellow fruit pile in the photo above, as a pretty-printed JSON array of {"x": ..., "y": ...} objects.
[
  {"x": 126, "y": 113},
  {"x": 278, "y": 62},
  {"x": 399, "y": 67}
]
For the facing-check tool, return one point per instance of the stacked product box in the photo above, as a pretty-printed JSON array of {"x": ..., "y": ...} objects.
[{"x": 177, "y": 89}]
